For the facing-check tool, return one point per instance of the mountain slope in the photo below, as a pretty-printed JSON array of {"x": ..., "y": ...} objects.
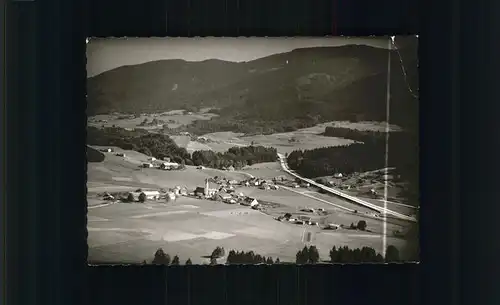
[{"x": 327, "y": 83}]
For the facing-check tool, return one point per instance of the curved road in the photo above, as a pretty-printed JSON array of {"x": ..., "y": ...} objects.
[{"x": 372, "y": 206}]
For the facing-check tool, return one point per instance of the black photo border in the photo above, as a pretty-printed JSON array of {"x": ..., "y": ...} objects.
[{"x": 44, "y": 167}]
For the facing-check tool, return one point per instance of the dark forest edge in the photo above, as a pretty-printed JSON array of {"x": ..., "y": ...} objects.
[
  {"x": 308, "y": 255},
  {"x": 162, "y": 146},
  {"x": 367, "y": 155},
  {"x": 247, "y": 125}
]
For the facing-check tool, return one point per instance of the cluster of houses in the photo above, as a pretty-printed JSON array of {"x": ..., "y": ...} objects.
[
  {"x": 306, "y": 220},
  {"x": 201, "y": 139},
  {"x": 225, "y": 192},
  {"x": 164, "y": 164},
  {"x": 300, "y": 220},
  {"x": 153, "y": 195}
]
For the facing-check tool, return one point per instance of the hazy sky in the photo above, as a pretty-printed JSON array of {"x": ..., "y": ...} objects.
[{"x": 109, "y": 53}]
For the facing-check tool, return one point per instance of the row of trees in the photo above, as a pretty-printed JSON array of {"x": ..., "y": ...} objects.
[
  {"x": 237, "y": 157},
  {"x": 161, "y": 146},
  {"x": 248, "y": 126},
  {"x": 353, "y": 134},
  {"x": 308, "y": 255},
  {"x": 327, "y": 161},
  {"x": 237, "y": 257},
  {"x": 157, "y": 145},
  {"x": 162, "y": 258}
]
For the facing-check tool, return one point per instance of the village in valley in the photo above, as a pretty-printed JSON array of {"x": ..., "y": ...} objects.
[
  {"x": 279, "y": 158},
  {"x": 195, "y": 209}
]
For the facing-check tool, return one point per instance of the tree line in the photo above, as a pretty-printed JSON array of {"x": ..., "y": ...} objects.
[
  {"x": 162, "y": 258},
  {"x": 161, "y": 146},
  {"x": 353, "y": 134},
  {"x": 237, "y": 157},
  {"x": 308, "y": 255},
  {"x": 403, "y": 154},
  {"x": 237, "y": 257},
  {"x": 249, "y": 126}
]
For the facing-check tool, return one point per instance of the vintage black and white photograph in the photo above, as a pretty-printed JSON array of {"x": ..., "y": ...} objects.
[{"x": 210, "y": 151}]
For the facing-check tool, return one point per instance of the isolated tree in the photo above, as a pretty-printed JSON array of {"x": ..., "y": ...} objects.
[
  {"x": 175, "y": 260},
  {"x": 302, "y": 257},
  {"x": 144, "y": 262},
  {"x": 361, "y": 225},
  {"x": 352, "y": 226},
  {"x": 313, "y": 255},
  {"x": 161, "y": 258},
  {"x": 218, "y": 252},
  {"x": 277, "y": 260},
  {"x": 142, "y": 197},
  {"x": 391, "y": 254},
  {"x": 334, "y": 255},
  {"x": 130, "y": 198},
  {"x": 189, "y": 262}
]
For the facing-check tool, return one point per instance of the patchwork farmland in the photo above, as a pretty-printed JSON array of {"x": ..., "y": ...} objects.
[{"x": 191, "y": 227}]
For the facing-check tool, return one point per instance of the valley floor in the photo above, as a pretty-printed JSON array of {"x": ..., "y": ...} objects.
[{"x": 192, "y": 228}]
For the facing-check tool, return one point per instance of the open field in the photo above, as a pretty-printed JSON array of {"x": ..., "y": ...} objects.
[
  {"x": 192, "y": 228},
  {"x": 125, "y": 173},
  {"x": 390, "y": 205},
  {"x": 291, "y": 201},
  {"x": 267, "y": 170},
  {"x": 306, "y": 138},
  {"x": 134, "y": 232},
  {"x": 364, "y": 126},
  {"x": 286, "y": 142},
  {"x": 172, "y": 119}
]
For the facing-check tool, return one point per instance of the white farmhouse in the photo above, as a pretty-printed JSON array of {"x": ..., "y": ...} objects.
[
  {"x": 224, "y": 197},
  {"x": 169, "y": 165},
  {"x": 250, "y": 202}
]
